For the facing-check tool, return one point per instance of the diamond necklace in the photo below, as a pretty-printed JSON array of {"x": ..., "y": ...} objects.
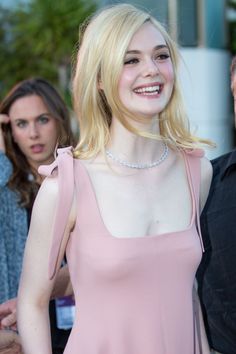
[{"x": 140, "y": 166}]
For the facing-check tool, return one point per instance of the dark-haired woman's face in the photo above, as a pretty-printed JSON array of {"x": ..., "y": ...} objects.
[{"x": 34, "y": 130}]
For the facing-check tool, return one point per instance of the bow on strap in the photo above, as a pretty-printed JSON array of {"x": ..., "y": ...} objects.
[
  {"x": 64, "y": 166},
  {"x": 195, "y": 152}
]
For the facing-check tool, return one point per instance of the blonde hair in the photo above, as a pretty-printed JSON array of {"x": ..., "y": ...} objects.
[{"x": 104, "y": 43}]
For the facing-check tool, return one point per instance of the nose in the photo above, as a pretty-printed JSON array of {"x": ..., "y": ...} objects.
[
  {"x": 151, "y": 68},
  {"x": 33, "y": 131}
]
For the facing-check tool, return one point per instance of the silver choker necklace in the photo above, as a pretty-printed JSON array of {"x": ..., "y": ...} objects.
[{"x": 140, "y": 166}]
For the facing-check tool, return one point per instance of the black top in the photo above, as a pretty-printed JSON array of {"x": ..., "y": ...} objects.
[{"x": 217, "y": 272}]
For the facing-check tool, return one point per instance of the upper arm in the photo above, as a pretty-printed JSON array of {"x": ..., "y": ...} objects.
[
  {"x": 35, "y": 284},
  {"x": 206, "y": 177}
]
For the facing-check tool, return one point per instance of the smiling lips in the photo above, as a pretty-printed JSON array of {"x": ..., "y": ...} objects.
[
  {"x": 37, "y": 148},
  {"x": 150, "y": 90}
]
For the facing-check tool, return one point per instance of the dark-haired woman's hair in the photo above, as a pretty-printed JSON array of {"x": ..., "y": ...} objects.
[
  {"x": 233, "y": 67},
  {"x": 19, "y": 181}
]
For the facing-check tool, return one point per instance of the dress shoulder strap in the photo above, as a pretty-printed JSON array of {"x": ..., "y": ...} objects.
[
  {"x": 193, "y": 160},
  {"x": 64, "y": 164}
]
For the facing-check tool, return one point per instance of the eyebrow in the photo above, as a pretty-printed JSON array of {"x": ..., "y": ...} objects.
[
  {"x": 157, "y": 47},
  {"x": 39, "y": 116}
]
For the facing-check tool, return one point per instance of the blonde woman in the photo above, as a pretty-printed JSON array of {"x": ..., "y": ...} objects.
[{"x": 124, "y": 205}]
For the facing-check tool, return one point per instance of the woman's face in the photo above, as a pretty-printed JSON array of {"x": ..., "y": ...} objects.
[
  {"x": 147, "y": 78},
  {"x": 34, "y": 130}
]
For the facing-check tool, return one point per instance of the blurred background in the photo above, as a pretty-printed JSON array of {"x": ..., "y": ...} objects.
[{"x": 39, "y": 38}]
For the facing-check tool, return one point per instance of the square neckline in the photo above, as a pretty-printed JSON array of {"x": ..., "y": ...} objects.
[{"x": 156, "y": 236}]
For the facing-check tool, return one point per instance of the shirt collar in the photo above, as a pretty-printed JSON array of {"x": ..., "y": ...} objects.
[{"x": 230, "y": 165}]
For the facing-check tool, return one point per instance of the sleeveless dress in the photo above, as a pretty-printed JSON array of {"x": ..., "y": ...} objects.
[{"x": 133, "y": 295}]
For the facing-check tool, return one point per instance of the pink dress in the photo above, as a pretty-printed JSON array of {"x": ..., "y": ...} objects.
[{"x": 133, "y": 295}]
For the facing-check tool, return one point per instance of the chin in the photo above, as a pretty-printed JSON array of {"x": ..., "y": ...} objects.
[
  {"x": 39, "y": 158},
  {"x": 150, "y": 115},
  {"x": 151, "y": 112}
]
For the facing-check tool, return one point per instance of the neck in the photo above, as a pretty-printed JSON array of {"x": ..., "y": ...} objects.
[{"x": 132, "y": 146}]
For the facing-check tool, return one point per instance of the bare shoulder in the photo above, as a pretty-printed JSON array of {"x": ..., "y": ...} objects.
[
  {"x": 46, "y": 203},
  {"x": 206, "y": 177},
  {"x": 47, "y": 196},
  {"x": 44, "y": 210}
]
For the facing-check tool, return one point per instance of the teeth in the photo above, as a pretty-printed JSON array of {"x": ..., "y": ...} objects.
[{"x": 148, "y": 89}]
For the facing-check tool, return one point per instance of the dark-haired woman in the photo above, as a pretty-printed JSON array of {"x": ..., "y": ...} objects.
[{"x": 33, "y": 122}]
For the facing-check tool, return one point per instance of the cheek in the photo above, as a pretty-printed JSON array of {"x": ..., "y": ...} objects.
[
  {"x": 52, "y": 132},
  {"x": 170, "y": 79},
  {"x": 126, "y": 79},
  {"x": 169, "y": 73},
  {"x": 18, "y": 134}
]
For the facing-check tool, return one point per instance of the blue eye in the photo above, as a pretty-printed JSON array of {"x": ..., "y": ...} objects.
[
  {"x": 21, "y": 124},
  {"x": 162, "y": 56},
  {"x": 131, "y": 61},
  {"x": 43, "y": 119}
]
